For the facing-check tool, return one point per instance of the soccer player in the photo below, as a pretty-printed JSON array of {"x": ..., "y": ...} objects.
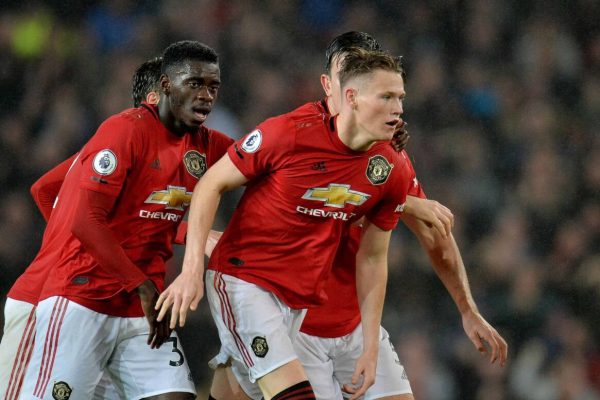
[
  {"x": 330, "y": 338},
  {"x": 309, "y": 176},
  {"x": 110, "y": 234},
  {"x": 146, "y": 81},
  {"x": 19, "y": 310}
]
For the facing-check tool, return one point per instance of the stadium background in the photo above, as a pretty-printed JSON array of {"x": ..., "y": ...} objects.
[{"x": 503, "y": 102}]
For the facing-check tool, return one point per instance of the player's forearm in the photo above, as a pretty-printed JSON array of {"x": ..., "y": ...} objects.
[
  {"x": 221, "y": 177},
  {"x": 91, "y": 228},
  {"x": 203, "y": 208},
  {"x": 371, "y": 280},
  {"x": 447, "y": 262},
  {"x": 449, "y": 267},
  {"x": 44, "y": 197}
]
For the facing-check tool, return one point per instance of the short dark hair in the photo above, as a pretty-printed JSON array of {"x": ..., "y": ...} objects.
[
  {"x": 358, "y": 61},
  {"x": 344, "y": 42},
  {"x": 145, "y": 80},
  {"x": 179, "y": 52}
]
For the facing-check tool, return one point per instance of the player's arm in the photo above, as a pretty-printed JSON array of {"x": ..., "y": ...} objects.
[
  {"x": 188, "y": 288},
  {"x": 431, "y": 213},
  {"x": 447, "y": 262},
  {"x": 371, "y": 280},
  {"x": 90, "y": 226},
  {"x": 45, "y": 189}
]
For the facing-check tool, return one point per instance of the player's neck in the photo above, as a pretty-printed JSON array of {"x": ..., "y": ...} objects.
[
  {"x": 168, "y": 120},
  {"x": 331, "y": 106},
  {"x": 351, "y": 134}
]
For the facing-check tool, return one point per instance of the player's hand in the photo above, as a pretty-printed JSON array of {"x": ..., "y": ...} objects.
[
  {"x": 183, "y": 294},
  {"x": 433, "y": 213},
  {"x": 159, "y": 331},
  {"x": 401, "y": 136},
  {"x": 364, "y": 375},
  {"x": 479, "y": 331}
]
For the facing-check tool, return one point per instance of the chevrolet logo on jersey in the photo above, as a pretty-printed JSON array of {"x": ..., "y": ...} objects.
[
  {"x": 175, "y": 198},
  {"x": 337, "y": 195}
]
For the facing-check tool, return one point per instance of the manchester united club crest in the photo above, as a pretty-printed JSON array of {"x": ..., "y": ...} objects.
[
  {"x": 195, "y": 163},
  {"x": 378, "y": 170},
  {"x": 61, "y": 390},
  {"x": 260, "y": 346}
]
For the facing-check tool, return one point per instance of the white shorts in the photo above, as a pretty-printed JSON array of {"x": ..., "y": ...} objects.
[
  {"x": 255, "y": 327},
  {"x": 330, "y": 362},
  {"x": 16, "y": 347},
  {"x": 75, "y": 346}
]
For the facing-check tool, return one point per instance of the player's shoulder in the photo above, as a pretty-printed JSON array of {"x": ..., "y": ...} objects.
[
  {"x": 384, "y": 156},
  {"x": 142, "y": 113},
  {"x": 386, "y": 150},
  {"x": 131, "y": 118},
  {"x": 303, "y": 116},
  {"x": 289, "y": 129},
  {"x": 310, "y": 110}
]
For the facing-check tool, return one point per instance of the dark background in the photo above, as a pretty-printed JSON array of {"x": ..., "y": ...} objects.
[{"x": 503, "y": 102}]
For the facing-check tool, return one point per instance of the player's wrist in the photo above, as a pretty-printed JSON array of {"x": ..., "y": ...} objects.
[
  {"x": 467, "y": 308},
  {"x": 146, "y": 289},
  {"x": 469, "y": 314},
  {"x": 193, "y": 267},
  {"x": 370, "y": 347},
  {"x": 195, "y": 276}
]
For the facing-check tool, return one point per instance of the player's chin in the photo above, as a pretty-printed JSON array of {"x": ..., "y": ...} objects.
[
  {"x": 194, "y": 123},
  {"x": 387, "y": 133}
]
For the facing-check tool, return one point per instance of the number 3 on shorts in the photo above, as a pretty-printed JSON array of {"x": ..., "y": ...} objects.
[{"x": 175, "y": 350}]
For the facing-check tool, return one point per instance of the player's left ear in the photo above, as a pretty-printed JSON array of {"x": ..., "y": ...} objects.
[{"x": 326, "y": 83}]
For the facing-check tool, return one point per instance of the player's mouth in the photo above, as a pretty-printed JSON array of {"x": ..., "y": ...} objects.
[
  {"x": 201, "y": 112},
  {"x": 393, "y": 123}
]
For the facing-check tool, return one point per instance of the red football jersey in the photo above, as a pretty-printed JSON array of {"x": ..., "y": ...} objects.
[
  {"x": 340, "y": 315},
  {"x": 305, "y": 187},
  {"x": 152, "y": 173}
]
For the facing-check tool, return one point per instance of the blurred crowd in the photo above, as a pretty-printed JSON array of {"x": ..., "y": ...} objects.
[{"x": 503, "y": 106}]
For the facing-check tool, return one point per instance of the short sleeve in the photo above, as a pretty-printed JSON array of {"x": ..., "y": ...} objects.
[
  {"x": 388, "y": 211},
  {"x": 415, "y": 189},
  {"x": 108, "y": 156},
  {"x": 265, "y": 149}
]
